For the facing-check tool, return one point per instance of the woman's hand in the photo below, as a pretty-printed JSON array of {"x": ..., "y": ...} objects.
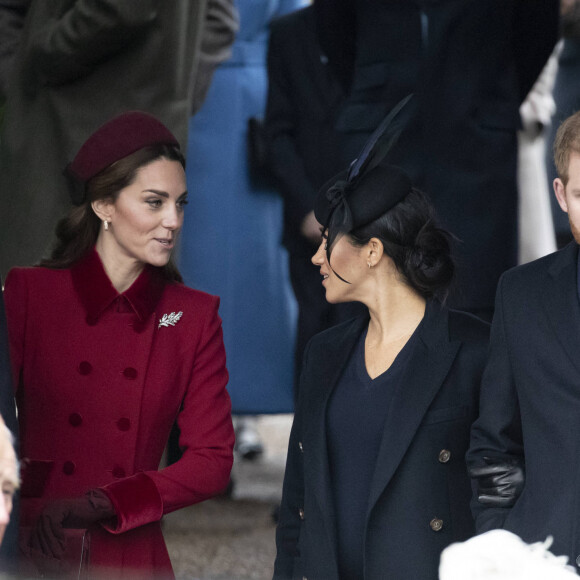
[{"x": 48, "y": 536}]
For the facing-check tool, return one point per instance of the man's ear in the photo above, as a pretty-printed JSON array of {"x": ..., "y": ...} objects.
[
  {"x": 103, "y": 208},
  {"x": 560, "y": 192}
]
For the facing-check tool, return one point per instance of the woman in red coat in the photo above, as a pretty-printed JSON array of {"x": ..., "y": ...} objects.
[{"x": 108, "y": 348}]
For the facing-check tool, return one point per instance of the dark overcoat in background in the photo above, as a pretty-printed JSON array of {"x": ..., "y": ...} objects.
[
  {"x": 80, "y": 63},
  {"x": 530, "y": 401},
  {"x": 304, "y": 99},
  {"x": 307, "y": 77},
  {"x": 420, "y": 491},
  {"x": 470, "y": 63}
]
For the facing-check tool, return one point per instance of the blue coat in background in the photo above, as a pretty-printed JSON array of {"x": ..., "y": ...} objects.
[{"x": 231, "y": 237}]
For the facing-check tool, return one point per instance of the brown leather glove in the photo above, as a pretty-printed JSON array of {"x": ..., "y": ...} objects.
[{"x": 48, "y": 536}]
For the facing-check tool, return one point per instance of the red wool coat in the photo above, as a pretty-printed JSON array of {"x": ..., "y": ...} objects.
[{"x": 100, "y": 379}]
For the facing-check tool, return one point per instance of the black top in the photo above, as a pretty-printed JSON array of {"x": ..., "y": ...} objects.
[{"x": 355, "y": 421}]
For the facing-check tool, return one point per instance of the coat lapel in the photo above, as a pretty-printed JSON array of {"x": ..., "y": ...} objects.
[
  {"x": 561, "y": 302},
  {"x": 429, "y": 365},
  {"x": 316, "y": 466}
]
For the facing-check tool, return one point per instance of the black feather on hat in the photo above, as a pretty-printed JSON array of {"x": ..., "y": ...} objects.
[{"x": 370, "y": 187}]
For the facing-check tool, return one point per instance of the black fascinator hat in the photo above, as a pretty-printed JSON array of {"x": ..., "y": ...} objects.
[{"x": 370, "y": 187}]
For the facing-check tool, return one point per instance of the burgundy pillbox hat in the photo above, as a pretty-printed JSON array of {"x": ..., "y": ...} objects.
[{"x": 114, "y": 140}]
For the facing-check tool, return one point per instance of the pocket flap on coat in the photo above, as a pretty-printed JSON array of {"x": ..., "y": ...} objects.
[{"x": 445, "y": 414}]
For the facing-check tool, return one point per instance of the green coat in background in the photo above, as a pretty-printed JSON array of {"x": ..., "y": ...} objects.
[{"x": 79, "y": 63}]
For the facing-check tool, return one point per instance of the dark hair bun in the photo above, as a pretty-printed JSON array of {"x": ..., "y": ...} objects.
[
  {"x": 428, "y": 266},
  {"x": 420, "y": 249}
]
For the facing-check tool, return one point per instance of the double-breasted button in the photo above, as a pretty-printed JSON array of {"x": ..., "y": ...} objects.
[
  {"x": 436, "y": 524},
  {"x": 301, "y": 513},
  {"x": 130, "y": 373},
  {"x": 577, "y": 560},
  {"x": 75, "y": 419},
  {"x": 300, "y": 446},
  {"x": 124, "y": 424},
  {"x": 444, "y": 455},
  {"x": 85, "y": 368},
  {"x": 118, "y": 472},
  {"x": 68, "y": 467}
]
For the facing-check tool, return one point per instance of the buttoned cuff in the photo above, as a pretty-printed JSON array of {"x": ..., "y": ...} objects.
[{"x": 136, "y": 501}]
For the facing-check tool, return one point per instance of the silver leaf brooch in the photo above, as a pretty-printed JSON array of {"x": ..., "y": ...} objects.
[{"x": 170, "y": 319}]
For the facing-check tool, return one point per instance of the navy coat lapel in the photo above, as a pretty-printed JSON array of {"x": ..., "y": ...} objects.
[
  {"x": 336, "y": 355},
  {"x": 429, "y": 365},
  {"x": 561, "y": 302}
]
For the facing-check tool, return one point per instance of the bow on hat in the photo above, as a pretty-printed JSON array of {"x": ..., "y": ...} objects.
[{"x": 369, "y": 187}]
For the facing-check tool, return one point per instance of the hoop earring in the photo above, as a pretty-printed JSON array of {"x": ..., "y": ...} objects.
[{"x": 106, "y": 224}]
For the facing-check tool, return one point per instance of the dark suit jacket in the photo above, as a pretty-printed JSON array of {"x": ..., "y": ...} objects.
[
  {"x": 415, "y": 482},
  {"x": 304, "y": 96},
  {"x": 530, "y": 400},
  {"x": 470, "y": 63}
]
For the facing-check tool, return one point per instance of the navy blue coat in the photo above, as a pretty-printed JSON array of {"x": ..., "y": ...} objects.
[
  {"x": 530, "y": 400},
  {"x": 420, "y": 475},
  {"x": 470, "y": 64}
]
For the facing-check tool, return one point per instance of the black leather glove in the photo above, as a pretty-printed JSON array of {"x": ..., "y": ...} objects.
[
  {"x": 48, "y": 536},
  {"x": 499, "y": 482}
]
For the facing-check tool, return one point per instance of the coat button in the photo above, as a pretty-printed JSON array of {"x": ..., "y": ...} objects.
[
  {"x": 444, "y": 455},
  {"x": 75, "y": 419},
  {"x": 118, "y": 472},
  {"x": 577, "y": 560},
  {"x": 301, "y": 513},
  {"x": 85, "y": 368},
  {"x": 68, "y": 468},
  {"x": 300, "y": 446},
  {"x": 436, "y": 524},
  {"x": 124, "y": 424},
  {"x": 130, "y": 373}
]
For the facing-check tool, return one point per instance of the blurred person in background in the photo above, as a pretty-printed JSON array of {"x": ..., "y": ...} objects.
[
  {"x": 231, "y": 246},
  {"x": 78, "y": 64},
  {"x": 108, "y": 349},
  {"x": 310, "y": 62},
  {"x": 536, "y": 236},
  {"x": 462, "y": 149},
  {"x": 12, "y": 13}
]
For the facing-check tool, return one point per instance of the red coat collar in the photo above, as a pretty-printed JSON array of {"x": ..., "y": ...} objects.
[{"x": 97, "y": 292}]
